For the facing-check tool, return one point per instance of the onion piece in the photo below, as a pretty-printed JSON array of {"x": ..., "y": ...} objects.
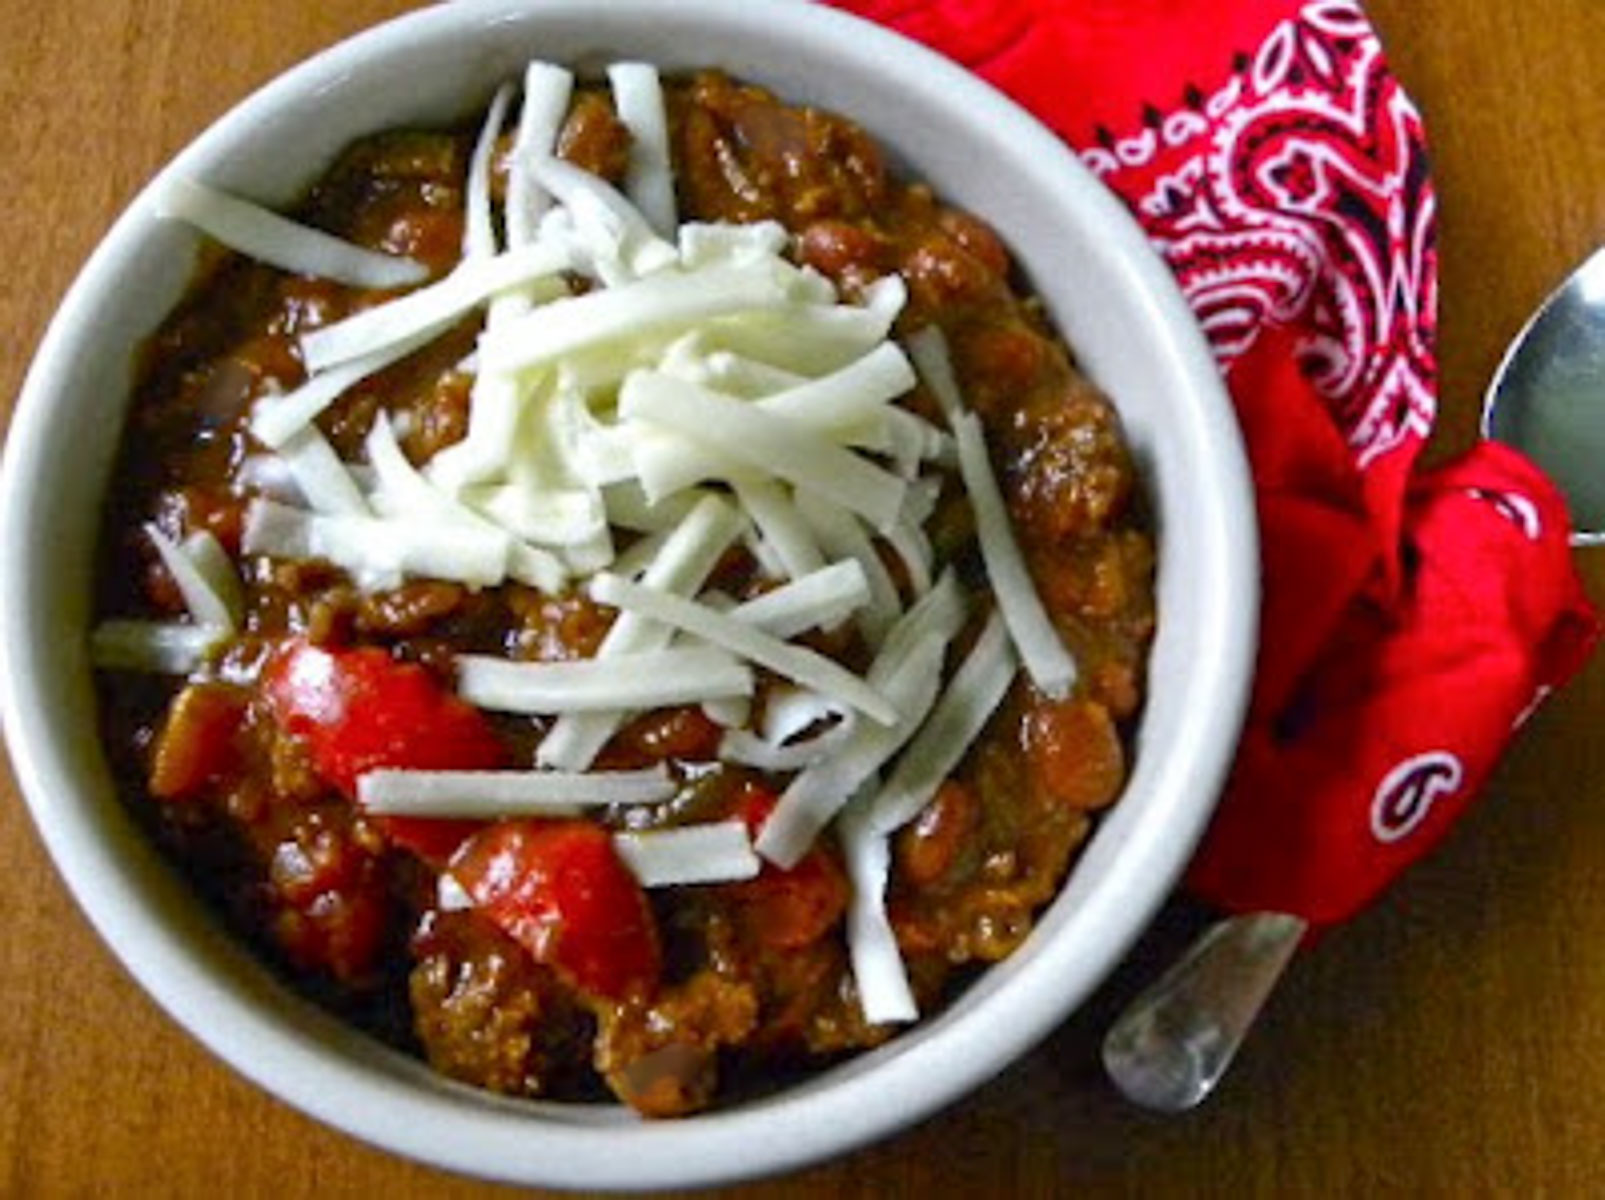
[
  {"x": 264, "y": 235},
  {"x": 716, "y": 852}
]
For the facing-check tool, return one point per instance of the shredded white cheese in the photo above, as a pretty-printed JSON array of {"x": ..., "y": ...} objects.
[
  {"x": 264, "y": 235},
  {"x": 429, "y": 311},
  {"x": 621, "y": 242},
  {"x": 276, "y": 419},
  {"x": 967, "y": 704},
  {"x": 760, "y": 441},
  {"x": 493, "y": 795},
  {"x": 547, "y": 516},
  {"x": 379, "y": 553},
  {"x": 706, "y": 243},
  {"x": 638, "y": 99},
  {"x": 403, "y": 492},
  {"x": 1046, "y": 660},
  {"x": 479, "y": 230},
  {"x": 813, "y": 339},
  {"x": 884, "y": 994},
  {"x": 843, "y": 537},
  {"x": 628, "y": 507},
  {"x": 796, "y": 663},
  {"x": 655, "y": 679},
  {"x": 744, "y": 746},
  {"x": 791, "y": 711},
  {"x": 547, "y": 89},
  {"x": 204, "y": 575},
  {"x": 668, "y": 302},
  {"x": 852, "y": 399},
  {"x": 776, "y": 518},
  {"x": 319, "y": 475},
  {"x": 718, "y": 852},
  {"x": 688, "y": 557},
  {"x": 155, "y": 647},
  {"x": 626, "y": 360},
  {"x": 818, "y": 600},
  {"x": 818, "y": 794}
]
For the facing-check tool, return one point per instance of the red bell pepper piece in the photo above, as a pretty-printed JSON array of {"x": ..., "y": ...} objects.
[
  {"x": 360, "y": 710},
  {"x": 787, "y": 909},
  {"x": 561, "y": 891}
]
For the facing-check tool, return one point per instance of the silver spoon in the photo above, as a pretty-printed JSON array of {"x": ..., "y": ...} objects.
[
  {"x": 1173, "y": 1043},
  {"x": 1547, "y": 398}
]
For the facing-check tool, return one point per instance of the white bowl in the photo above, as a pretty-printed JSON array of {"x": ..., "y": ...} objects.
[{"x": 1111, "y": 297}]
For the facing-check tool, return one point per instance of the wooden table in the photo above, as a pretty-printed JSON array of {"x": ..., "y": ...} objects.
[{"x": 1450, "y": 1042}]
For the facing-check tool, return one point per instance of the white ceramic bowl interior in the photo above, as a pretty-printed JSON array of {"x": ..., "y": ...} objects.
[{"x": 1115, "y": 303}]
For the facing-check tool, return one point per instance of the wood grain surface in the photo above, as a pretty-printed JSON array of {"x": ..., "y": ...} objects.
[{"x": 1450, "y": 1042}]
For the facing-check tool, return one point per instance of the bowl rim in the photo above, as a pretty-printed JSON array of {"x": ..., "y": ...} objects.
[{"x": 371, "y": 1097}]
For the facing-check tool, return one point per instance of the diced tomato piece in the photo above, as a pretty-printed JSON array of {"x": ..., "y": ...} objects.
[
  {"x": 433, "y": 839},
  {"x": 360, "y": 710},
  {"x": 561, "y": 891},
  {"x": 787, "y": 909}
]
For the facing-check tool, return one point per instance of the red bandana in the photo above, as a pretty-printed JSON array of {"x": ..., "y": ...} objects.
[{"x": 1411, "y": 621}]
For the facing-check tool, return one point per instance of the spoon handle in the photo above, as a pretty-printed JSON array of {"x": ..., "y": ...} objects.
[{"x": 1173, "y": 1043}]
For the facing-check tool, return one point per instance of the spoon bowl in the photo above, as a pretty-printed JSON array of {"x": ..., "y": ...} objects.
[{"x": 1547, "y": 399}]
